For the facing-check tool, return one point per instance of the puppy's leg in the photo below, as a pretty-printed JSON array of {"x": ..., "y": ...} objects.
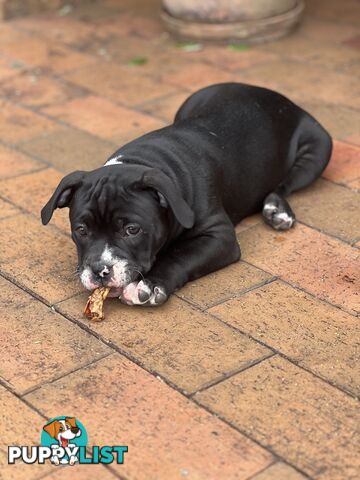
[
  {"x": 313, "y": 154},
  {"x": 185, "y": 260}
]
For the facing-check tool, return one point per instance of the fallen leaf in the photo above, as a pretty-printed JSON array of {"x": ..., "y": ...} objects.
[
  {"x": 239, "y": 47},
  {"x": 189, "y": 46},
  {"x": 137, "y": 61}
]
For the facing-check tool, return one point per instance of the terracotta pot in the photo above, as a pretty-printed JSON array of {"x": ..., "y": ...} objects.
[{"x": 246, "y": 20}]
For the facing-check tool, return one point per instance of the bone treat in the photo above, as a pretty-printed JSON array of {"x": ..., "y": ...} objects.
[{"x": 94, "y": 307}]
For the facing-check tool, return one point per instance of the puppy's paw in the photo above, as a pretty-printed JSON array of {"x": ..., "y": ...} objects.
[
  {"x": 144, "y": 293},
  {"x": 277, "y": 212}
]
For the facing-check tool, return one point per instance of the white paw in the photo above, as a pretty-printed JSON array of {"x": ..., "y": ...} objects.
[
  {"x": 285, "y": 221},
  {"x": 143, "y": 293},
  {"x": 277, "y": 213},
  {"x": 269, "y": 209}
]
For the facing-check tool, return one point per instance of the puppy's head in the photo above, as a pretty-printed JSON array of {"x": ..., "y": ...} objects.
[
  {"x": 63, "y": 430},
  {"x": 120, "y": 218}
]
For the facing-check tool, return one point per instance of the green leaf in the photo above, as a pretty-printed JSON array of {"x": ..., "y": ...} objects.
[
  {"x": 239, "y": 47},
  {"x": 17, "y": 65},
  {"x": 189, "y": 46},
  {"x": 138, "y": 61}
]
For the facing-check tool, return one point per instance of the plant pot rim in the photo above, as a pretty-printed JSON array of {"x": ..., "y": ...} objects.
[{"x": 253, "y": 31}]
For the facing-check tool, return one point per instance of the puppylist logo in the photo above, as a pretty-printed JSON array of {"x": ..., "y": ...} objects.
[{"x": 64, "y": 442}]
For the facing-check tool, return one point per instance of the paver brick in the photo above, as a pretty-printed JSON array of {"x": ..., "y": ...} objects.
[
  {"x": 14, "y": 163},
  {"x": 32, "y": 191},
  {"x": 308, "y": 422},
  {"x": 96, "y": 12},
  {"x": 34, "y": 90},
  {"x": 165, "y": 107},
  {"x": 249, "y": 222},
  {"x": 21, "y": 471},
  {"x": 332, "y": 87},
  {"x": 13, "y": 432},
  {"x": 355, "y": 184},
  {"x": 8, "y": 33},
  {"x": 312, "y": 333},
  {"x": 298, "y": 47},
  {"x": 55, "y": 28},
  {"x": 223, "y": 284},
  {"x": 120, "y": 83},
  {"x": 6, "y": 209},
  {"x": 9, "y": 68},
  {"x": 200, "y": 75},
  {"x": 235, "y": 59},
  {"x": 39, "y": 258},
  {"x": 344, "y": 165},
  {"x": 340, "y": 121},
  {"x": 31, "y": 350},
  {"x": 103, "y": 118},
  {"x": 331, "y": 208},
  {"x": 134, "y": 25},
  {"x": 68, "y": 149},
  {"x": 18, "y": 124},
  {"x": 37, "y": 52},
  {"x": 279, "y": 471},
  {"x": 82, "y": 472},
  {"x": 323, "y": 266},
  {"x": 354, "y": 139},
  {"x": 353, "y": 42},
  {"x": 161, "y": 57},
  {"x": 117, "y": 48},
  {"x": 20, "y": 425},
  {"x": 167, "y": 434},
  {"x": 187, "y": 347}
]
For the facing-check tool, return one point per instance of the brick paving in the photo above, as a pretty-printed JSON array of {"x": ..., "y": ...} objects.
[{"x": 249, "y": 373}]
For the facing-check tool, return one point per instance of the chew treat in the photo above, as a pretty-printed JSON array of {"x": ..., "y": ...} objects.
[{"x": 94, "y": 307}]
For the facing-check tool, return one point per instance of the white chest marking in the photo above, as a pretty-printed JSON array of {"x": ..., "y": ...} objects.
[{"x": 114, "y": 161}]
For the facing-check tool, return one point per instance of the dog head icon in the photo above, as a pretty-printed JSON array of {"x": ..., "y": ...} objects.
[{"x": 63, "y": 430}]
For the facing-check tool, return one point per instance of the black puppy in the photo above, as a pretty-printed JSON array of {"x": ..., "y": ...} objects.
[{"x": 162, "y": 209}]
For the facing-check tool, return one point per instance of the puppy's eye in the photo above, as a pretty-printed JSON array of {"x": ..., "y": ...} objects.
[
  {"x": 61, "y": 429},
  {"x": 132, "y": 229},
  {"x": 82, "y": 230}
]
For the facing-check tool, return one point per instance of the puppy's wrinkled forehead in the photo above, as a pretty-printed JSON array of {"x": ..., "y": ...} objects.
[
  {"x": 101, "y": 194},
  {"x": 103, "y": 199}
]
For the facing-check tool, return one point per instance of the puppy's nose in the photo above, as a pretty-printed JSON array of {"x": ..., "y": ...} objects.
[
  {"x": 101, "y": 270},
  {"x": 74, "y": 429}
]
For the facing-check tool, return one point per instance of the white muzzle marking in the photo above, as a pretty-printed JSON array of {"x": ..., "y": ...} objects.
[{"x": 119, "y": 276}]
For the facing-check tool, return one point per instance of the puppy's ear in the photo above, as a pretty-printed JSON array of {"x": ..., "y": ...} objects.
[
  {"x": 71, "y": 421},
  {"x": 52, "y": 428},
  {"x": 63, "y": 194},
  {"x": 169, "y": 195}
]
